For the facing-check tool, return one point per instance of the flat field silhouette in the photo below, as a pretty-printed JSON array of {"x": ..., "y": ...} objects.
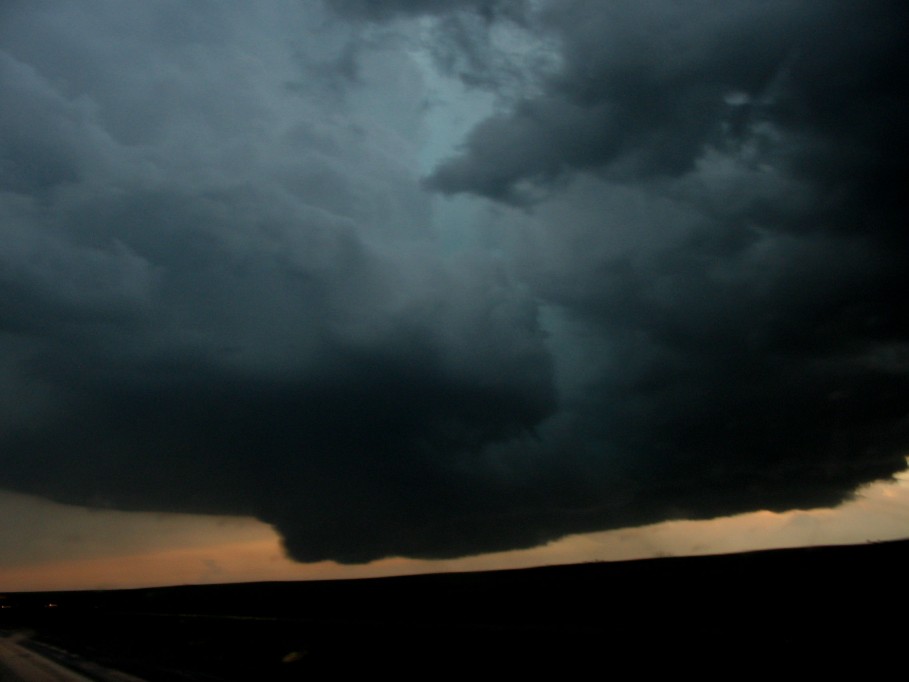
[{"x": 805, "y": 609}]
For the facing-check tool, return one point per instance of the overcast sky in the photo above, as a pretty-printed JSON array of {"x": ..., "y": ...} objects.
[{"x": 424, "y": 279}]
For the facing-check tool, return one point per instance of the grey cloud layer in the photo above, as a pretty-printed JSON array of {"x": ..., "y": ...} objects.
[{"x": 221, "y": 289}]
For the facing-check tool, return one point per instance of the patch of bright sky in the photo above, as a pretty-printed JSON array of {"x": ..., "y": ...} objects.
[
  {"x": 451, "y": 111},
  {"x": 453, "y": 108},
  {"x": 62, "y": 547},
  {"x": 517, "y": 57}
]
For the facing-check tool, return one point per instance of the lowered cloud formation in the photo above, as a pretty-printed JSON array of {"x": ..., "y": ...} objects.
[{"x": 225, "y": 286}]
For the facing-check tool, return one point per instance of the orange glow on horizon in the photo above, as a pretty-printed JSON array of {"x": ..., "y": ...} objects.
[{"x": 124, "y": 550}]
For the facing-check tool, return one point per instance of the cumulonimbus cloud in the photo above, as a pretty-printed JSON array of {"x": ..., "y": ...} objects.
[{"x": 222, "y": 289}]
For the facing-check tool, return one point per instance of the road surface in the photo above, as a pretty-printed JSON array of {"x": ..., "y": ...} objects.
[{"x": 18, "y": 664}]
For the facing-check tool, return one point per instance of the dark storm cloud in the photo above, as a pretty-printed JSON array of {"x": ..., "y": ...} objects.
[
  {"x": 221, "y": 288},
  {"x": 720, "y": 215},
  {"x": 645, "y": 86}
]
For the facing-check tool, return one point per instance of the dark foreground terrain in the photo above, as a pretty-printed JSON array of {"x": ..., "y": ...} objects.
[{"x": 801, "y": 610}]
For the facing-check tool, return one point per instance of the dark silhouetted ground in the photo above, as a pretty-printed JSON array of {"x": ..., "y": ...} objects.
[{"x": 802, "y": 610}]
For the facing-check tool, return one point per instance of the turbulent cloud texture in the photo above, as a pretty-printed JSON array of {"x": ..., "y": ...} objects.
[{"x": 225, "y": 285}]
